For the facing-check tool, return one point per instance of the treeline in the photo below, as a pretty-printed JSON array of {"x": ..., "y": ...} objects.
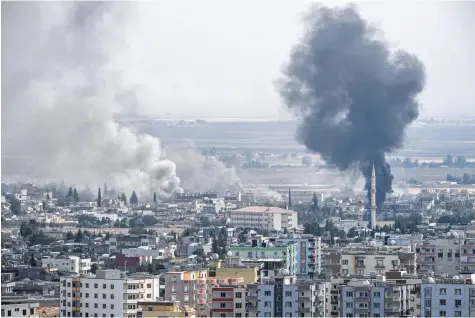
[
  {"x": 464, "y": 179},
  {"x": 449, "y": 161}
]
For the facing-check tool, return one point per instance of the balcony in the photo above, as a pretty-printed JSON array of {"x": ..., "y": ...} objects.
[
  {"x": 361, "y": 310},
  {"x": 201, "y": 291},
  {"x": 76, "y": 289}
]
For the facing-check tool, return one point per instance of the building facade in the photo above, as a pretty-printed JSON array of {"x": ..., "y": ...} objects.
[{"x": 263, "y": 218}]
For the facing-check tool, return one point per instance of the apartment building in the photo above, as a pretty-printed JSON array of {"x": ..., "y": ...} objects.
[
  {"x": 73, "y": 264},
  {"x": 369, "y": 260},
  {"x": 263, "y": 218},
  {"x": 443, "y": 255},
  {"x": 447, "y": 298},
  {"x": 19, "y": 308},
  {"x": 309, "y": 253},
  {"x": 362, "y": 298},
  {"x": 189, "y": 288},
  {"x": 285, "y": 296},
  {"x": 228, "y": 301},
  {"x": 152, "y": 309},
  {"x": 110, "y": 293},
  {"x": 272, "y": 258}
]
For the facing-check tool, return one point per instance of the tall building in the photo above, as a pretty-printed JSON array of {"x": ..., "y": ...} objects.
[
  {"x": 263, "y": 218},
  {"x": 309, "y": 253},
  {"x": 189, "y": 288},
  {"x": 271, "y": 257},
  {"x": 373, "y": 199},
  {"x": 108, "y": 294},
  {"x": 447, "y": 298},
  {"x": 228, "y": 301},
  {"x": 362, "y": 298}
]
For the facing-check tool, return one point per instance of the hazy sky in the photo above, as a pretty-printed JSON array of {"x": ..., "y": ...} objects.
[{"x": 220, "y": 58}]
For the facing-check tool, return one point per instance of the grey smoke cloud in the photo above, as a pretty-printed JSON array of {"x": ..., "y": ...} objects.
[
  {"x": 354, "y": 94},
  {"x": 66, "y": 76}
]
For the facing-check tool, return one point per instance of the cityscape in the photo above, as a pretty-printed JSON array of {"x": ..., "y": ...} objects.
[{"x": 127, "y": 191}]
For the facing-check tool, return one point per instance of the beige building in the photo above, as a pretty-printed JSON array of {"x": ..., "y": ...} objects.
[
  {"x": 263, "y": 218},
  {"x": 369, "y": 260},
  {"x": 189, "y": 288}
]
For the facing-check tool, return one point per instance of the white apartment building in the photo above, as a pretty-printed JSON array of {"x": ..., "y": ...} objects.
[
  {"x": 309, "y": 253},
  {"x": 73, "y": 264},
  {"x": 364, "y": 261},
  {"x": 108, "y": 294},
  {"x": 264, "y": 218},
  {"x": 125, "y": 241},
  {"x": 16, "y": 309},
  {"x": 443, "y": 255},
  {"x": 361, "y": 298},
  {"x": 447, "y": 298}
]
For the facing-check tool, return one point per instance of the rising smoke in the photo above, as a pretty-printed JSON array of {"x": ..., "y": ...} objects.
[
  {"x": 64, "y": 81},
  {"x": 355, "y": 96}
]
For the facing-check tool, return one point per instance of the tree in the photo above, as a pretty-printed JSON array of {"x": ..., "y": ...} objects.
[
  {"x": 352, "y": 232},
  {"x": 241, "y": 237},
  {"x": 123, "y": 198},
  {"x": 78, "y": 237},
  {"x": 99, "y": 198},
  {"x": 25, "y": 230},
  {"x": 33, "y": 261},
  {"x": 285, "y": 230},
  {"x": 215, "y": 246},
  {"x": 149, "y": 220},
  {"x": 75, "y": 195},
  {"x": 134, "y": 200},
  {"x": 199, "y": 252},
  {"x": 70, "y": 195},
  {"x": 69, "y": 235},
  {"x": 155, "y": 197},
  {"x": 15, "y": 206},
  {"x": 94, "y": 268}
]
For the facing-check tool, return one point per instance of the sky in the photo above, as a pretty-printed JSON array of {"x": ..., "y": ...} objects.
[{"x": 221, "y": 58}]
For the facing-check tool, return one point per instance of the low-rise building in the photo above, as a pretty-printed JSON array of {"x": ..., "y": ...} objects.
[
  {"x": 73, "y": 264},
  {"x": 152, "y": 309},
  {"x": 263, "y": 218}
]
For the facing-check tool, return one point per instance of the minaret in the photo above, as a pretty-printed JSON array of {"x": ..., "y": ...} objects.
[
  {"x": 289, "y": 205},
  {"x": 373, "y": 199}
]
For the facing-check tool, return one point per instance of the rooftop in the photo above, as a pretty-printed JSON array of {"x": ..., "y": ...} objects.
[{"x": 264, "y": 209}]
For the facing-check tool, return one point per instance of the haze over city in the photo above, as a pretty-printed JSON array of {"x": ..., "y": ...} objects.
[{"x": 237, "y": 158}]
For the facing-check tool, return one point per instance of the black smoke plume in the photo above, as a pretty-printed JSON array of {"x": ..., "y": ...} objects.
[{"x": 355, "y": 96}]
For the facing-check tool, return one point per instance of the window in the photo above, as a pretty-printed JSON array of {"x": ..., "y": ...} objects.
[
  {"x": 442, "y": 313},
  {"x": 238, "y": 295},
  {"x": 87, "y": 314},
  {"x": 104, "y": 296},
  {"x": 69, "y": 284},
  {"x": 344, "y": 271},
  {"x": 377, "y": 295},
  {"x": 288, "y": 304},
  {"x": 32, "y": 311},
  {"x": 458, "y": 314},
  {"x": 87, "y": 295},
  {"x": 112, "y": 296},
  {"x": 288, "y": 294},
  {"x": 377, "y": 305},
  {"x": 95, "y": 296},
  {"x": 69, "y": 294},
  {"x": 104, "y": 306},
  {"x": 267, "y": 293},
  {"x": 379, "y": 262},
  {"x": 104, "y": 315},
  {"x": 112, "y": 306},
  {"x": 266, "y": 304},
  {"x": 349, "y": 294},
  {"x": 96, "y": 306},
  {"x": 428, "y": 291},
  {"x": 238, "y": 305},
  {"x": 96, "y": 285},
  {"x": 9, "y": 313},
  {"x": 267, "y": 314},
  {"x": 345, "y": 262},
  {"x": 24, "y": 312},
  {"x": 458, "y": 303},
  {"x": 87, "y": 285},
  {"x": 442, "y": 302},
  {"x": 87, "y": 305},
  {"x": 349, "y": 305},
  {"x": 238, "y": 314},
  {"x": 149, "y": 285},
  {"x": 442, "y": 291},
  {"x": 428, "y": 303},
  {"x": 222, "y": 305},
  {"x": 427, "y": 314},
  {"x": 69, "y": 305},
  {"x": 223, "y": 315},
  {"x": 149, "y": 295},
  {"x": 104, "y": 286},
  {"x": 458, "y": 291}
]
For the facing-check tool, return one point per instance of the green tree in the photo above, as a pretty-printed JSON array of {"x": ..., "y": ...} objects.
[
  {"x": 69, "y": 236},
  {"x": 241, "y": 237},
  {"x": 94, "y": 268},
  {"x": 123, "y": 198},
  {"x": 15, "y": 206},
  {"x": 70, "y": 194},
  {"x": 199, "y": 252},
  {"x": 134, "y": 200},
  {"x": 75, "y": 195},
  {"x": 78, "y": 237},
  {"x": 99, "y": 198},
  {"x": 33, "y": 261},
  {"x": 149, "y": 220},
  {"x": 155, "y": 197}
]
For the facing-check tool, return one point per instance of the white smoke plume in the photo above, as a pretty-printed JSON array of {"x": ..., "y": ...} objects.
[{"x": 61, "y": 77}]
